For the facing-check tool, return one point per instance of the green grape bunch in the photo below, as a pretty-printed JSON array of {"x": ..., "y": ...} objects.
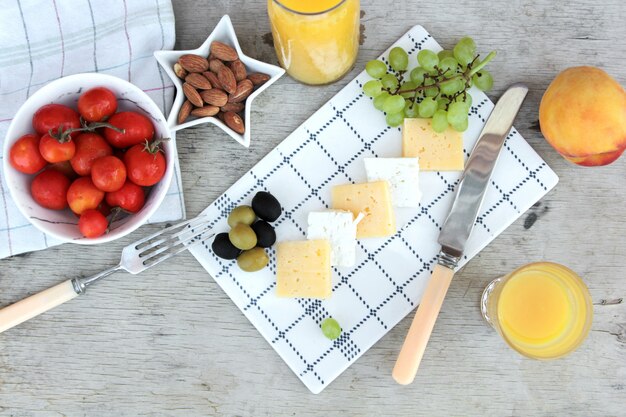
[{"x": 436, "y": 89}]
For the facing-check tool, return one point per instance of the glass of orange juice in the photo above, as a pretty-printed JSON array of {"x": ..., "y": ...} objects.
[
  {"x": 316, "y": 41},
  {"x": 542, "y": 310}
]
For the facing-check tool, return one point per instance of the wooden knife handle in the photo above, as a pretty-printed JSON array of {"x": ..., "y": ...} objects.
[
  {"x": 422, "y": 326},
  {"x": 36, "y": 304}
]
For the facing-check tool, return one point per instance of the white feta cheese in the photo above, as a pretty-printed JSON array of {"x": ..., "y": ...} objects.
[
  {"x": 402, "y": 175},
  {"x": 338, "y": 227}
]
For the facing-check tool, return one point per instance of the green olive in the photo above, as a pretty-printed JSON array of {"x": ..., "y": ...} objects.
[
  {"x": 242, "y": 236},
  {"x": 241, "y": 214},
  {"x": 253, "y": 260}
]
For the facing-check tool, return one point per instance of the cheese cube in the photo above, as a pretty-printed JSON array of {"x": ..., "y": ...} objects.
[
  {"x": 303, "y": 269},
  {"x": 402, "y": 175},
  {"x": 436, "y": 151},
  {"x": 373, "y": 199},
  {"x": 339, "y": 228}
]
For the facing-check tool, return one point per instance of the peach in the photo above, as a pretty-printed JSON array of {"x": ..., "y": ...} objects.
[{"x": 583, "y": 116}]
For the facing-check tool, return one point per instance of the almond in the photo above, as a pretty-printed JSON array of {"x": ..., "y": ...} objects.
[
  {"x": 234, "y": 107},
  {"x": 212, "y": 79},
  {"x": 214, "y": 97},
  {"x": 239, "y": 70},
  {"x": 180, "y": 71},
  {"x": 258, "y": 78},
  {"x": 198, "y": 81},
  {"x": 215, "y": 65},
  {"x": 235, "y": 122},
  {"x": 184, "y": 112},
  {"x": 192, "y": 95},
  {"x": 220, "y": 115},
  {"x": 222, "y": 51},
  {"x": 244, "y": 88},
  {"x": 206, "y": 111},
  {"x": 227, "y": 79},
  {"x": 193, "y": 63}
]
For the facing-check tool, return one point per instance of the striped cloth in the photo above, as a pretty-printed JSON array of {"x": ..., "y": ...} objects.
[{"x": 42, "y": 40}]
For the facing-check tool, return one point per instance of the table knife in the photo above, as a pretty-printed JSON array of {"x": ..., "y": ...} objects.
[{"x": 457, "y": 228}]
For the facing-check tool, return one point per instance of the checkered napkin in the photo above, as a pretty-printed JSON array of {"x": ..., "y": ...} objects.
[
  {"x": 390, "y": 274},
  {"x": 41, "y": 41}
]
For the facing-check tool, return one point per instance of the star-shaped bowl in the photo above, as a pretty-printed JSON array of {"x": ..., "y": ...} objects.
[{"x": 223, "y": 32}]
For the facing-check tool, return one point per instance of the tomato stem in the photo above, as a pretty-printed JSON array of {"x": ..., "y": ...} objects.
[{"x": 65, "y": 135}]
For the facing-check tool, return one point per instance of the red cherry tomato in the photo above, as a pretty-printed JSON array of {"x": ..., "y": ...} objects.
[
  {"x": 97, "y": 104},
  {"x": 89, "y": 147},
  {"x": 92, "y": 223},
  {"x": 24, "y": 155},
  {"x": 53, "y": 150},
  {"x": 137, "y": 129},
  {"x": 130, "y": 197},
  {"x": 53, "y": 116},
  {"x": 64, "y": 168},
  {"x": 49, "y": 189},
  {"x": 108, "y": 173},
  {"x": 84, "y": 195},
  {"x": 145, "y": 164}
]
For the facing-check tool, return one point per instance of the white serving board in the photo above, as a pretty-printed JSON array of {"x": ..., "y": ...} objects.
[{"x": 390, "y": 274}]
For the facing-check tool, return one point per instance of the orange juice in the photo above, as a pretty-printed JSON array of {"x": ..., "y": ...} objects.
[
  {"x": 316, "y": 41},
  {"x": 542, "y": 310}
]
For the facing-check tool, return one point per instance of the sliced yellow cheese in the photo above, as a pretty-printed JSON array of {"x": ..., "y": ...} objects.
[
  {"x": 436, "y": 151},
  {"x": 303, "y": 269},
  {"x": 373, "y": 199}
]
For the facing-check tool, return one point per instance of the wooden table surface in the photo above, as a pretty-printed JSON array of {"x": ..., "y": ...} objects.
[{"x": 170, "y": 342}]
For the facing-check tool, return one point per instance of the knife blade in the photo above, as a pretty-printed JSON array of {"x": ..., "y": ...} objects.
[{"x": 457, "y": 228}]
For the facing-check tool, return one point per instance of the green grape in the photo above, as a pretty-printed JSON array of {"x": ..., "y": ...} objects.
[
  {"x": 457, "y": 112},
  {"x": 398, "y": 59},
  {"x": 451, "y": 87},
  {"x": 442, "y": 103},
  {"x": 373, "y": 88},
  {"x": 432, "y": 91},
  {"x": 376, "y": 68},
  {"x": 445, "y": 54},
  {"x": 483, "y": 80},
  {"x": 448, "y": 65},
  {"x": 417, "y": 75},
  {"x": 427, "y": 107},
  {"x": 390, "y": 81},
  {"x": 461, "y": 126},
  {"x": 411, "y": 110},
  {"x": 409, "y": 85},
  {"x": 440, "y": 121},
  {"x": 467, "y": 99},
  {"x": 427, "y": 59},
  {"x": 394, "y": 104},
  {"x": 331, "y": 328},
  {"x": 465, "y": 51},
  {"x": 394, "y": 119},
  {"x": 380, "y": 100}
]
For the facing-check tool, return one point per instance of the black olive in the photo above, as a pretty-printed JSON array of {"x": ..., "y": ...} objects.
[
  {"x": 266, "y": 206},
  {"x": 265, "y": 234},
  {"x": 224, "y": 248}
]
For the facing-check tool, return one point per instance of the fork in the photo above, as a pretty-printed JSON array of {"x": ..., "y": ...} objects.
[{"x": 136, "y": 257}]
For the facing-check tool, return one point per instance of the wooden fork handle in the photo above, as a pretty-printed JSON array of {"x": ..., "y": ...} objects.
[
  {"x": 36, "y": 304},
  {"x": 422, "y": 326}
]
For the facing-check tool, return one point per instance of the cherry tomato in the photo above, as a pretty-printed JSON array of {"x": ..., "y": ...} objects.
[
  {"x": 24, "y": 155},
  {"x": 53, "y": 150},
  {"x": 108, "y": 173},
  {"x": 64, "y": 168},
  {"x": 92, "y": 223},
  {"x": 84, "y": 195},
  {"x": 130, "y": 197},
  {"x": 53, "y": 116},
  {"x": 137, "y": 129},
  {"x": 97, "y": 104},
  {"x": 89, "y": 147},
  {"x": 145, "y": 164},
  {"x": 49, "y": 189}
]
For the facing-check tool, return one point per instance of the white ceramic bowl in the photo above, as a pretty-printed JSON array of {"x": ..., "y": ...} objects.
[
  {"x": 62, "y": 225},
  {"x": 225, "y": 33}
]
